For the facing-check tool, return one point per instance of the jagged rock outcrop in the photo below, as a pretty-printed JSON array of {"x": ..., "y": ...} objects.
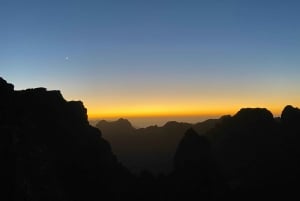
[
  {"x": 254, "y": 152},
  {"x": 290, "y": 116},
  {"x": 195, "y": 174},
  {"x": 53, "y": 152},
  {"x": 193, "y": 150}
]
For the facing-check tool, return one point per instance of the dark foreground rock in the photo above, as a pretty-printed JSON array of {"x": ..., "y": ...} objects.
[{"x": 51, "y": 152}]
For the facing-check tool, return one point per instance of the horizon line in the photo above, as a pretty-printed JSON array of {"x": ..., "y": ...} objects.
[
  {"x": 173, "y": 115},
  {"x": 157, "y": 113}
]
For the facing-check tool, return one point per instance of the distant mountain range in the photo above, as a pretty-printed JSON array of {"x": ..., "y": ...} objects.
[
  {"x": 50, "y": 152},
  {"x": 150, "y": 148}
]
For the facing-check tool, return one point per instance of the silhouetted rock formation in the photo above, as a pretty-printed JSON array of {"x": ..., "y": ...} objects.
[
  {"x": 120, "y": 125},
  {"x": 291, "y": 116},
  {"x": 8, "y": 167},
  {"x": 50, "y": 152},
  {"x": 193, "y": 151},
  {"x": 192, "y": 167},
  {"x": 253, "y": 151},
  {"x": 53, "y": 153},
  {"x": 149, "y": 148}
]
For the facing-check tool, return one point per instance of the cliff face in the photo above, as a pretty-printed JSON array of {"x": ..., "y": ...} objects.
[{"x": 53, "y": 153}]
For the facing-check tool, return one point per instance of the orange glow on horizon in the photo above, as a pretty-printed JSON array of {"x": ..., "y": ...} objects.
[
  {"x": 183, "y": 101},
  {"x": 104, "y": 106},
  {"x": 170, "y": 112}
]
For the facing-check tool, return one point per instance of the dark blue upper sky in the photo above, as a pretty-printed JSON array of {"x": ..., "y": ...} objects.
[{"x": 212, "y": 53}]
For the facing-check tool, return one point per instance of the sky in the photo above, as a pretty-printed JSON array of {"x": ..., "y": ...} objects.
[{"x": 150, "y": 58}]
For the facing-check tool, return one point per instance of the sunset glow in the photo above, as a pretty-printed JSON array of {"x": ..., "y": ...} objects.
[{"x": 154, "y": 58}]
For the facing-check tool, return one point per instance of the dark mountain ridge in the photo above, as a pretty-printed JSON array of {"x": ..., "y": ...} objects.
[
  {"x": 53, "y": 153},
  {"x": 50, "y": 152},
  {"x": 150, "y": 148}
]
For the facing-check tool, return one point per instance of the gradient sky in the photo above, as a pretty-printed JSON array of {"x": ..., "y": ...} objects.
[{"x": 155, "y": 57}]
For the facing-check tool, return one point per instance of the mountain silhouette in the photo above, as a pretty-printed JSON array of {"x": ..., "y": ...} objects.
[
  {"x": 195, "y": 175},
  {"x": 291, "y": 117},
  {"x": 150, "y": 148},
  {"x": 50, "y": 152},
  {"x": 193, "y": 150},
  {"x": 256, "y": 154}
]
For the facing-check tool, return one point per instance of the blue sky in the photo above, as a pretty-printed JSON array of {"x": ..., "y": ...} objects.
[{"x": 147, "y": 53}]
